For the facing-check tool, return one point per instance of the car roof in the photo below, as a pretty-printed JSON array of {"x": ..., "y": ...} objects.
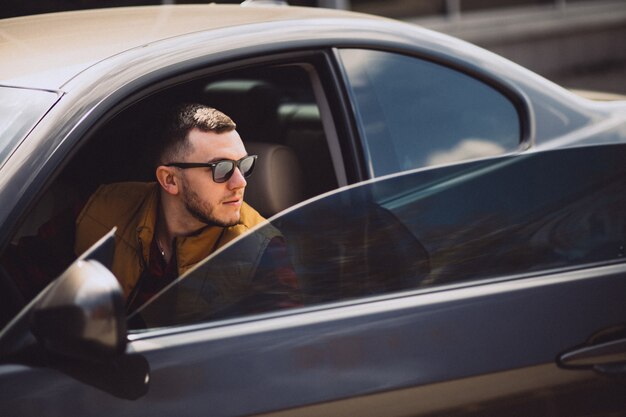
[{"x": 44, "y": 51}]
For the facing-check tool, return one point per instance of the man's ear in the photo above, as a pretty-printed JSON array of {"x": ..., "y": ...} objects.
[{"x": 166, "y": 176}]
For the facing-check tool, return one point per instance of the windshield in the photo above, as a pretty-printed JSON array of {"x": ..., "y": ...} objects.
[
  {"x": 20, "y": 110},
  {"x": 503, "y": 218}
]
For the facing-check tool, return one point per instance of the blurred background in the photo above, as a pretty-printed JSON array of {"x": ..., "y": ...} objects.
[{"x": 576, "y": 43}]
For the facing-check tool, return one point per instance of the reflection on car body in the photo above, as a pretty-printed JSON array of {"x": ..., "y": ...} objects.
[{"x": 456, "y": 223}]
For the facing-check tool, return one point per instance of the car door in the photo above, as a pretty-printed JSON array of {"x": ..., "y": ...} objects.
[
  {"x": 460, "y": 290},
  {"x": 415, "y": 300}
]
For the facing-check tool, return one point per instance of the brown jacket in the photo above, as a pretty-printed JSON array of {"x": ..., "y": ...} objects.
[{"x": 132, "y": 208}]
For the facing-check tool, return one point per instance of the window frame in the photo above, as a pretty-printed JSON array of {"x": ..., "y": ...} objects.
[{"x": 514, "y": 95}]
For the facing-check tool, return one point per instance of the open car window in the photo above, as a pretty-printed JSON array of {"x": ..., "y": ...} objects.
[
  {"x": 498, "y": 219},
  {"x": 277, "y": 106}
]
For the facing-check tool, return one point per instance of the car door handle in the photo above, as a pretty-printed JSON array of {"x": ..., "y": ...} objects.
[{"x": 608, "y": 353}]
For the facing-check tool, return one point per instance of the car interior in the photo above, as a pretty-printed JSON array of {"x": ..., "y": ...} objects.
[{"x": 277, "y": 116}]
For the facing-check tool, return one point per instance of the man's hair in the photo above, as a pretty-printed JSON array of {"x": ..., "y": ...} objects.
[{"x": 184, "y": 118}]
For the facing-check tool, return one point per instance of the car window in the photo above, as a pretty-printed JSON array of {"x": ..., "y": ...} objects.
[
  {"x": 415, "y": 113},
  {"x": 501, "y": 218},
  {"x": 278, "y": 117},
  {"x": 20, "y": 109}
]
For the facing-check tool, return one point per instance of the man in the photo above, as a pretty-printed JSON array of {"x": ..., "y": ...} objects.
[{"x": 195, "y": 207}]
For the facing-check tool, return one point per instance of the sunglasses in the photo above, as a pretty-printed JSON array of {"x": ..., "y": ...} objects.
[{"x": 223, "y": 169}]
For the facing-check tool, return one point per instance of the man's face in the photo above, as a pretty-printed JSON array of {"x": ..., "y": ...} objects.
[{"x": 205, "y": 200}]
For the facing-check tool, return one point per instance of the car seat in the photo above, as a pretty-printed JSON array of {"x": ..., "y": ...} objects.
[{"x": 276, "y": 183}]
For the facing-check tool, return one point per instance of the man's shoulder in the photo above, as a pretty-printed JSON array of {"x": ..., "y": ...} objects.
[
  {"x": 121, "y": 205},
  {"x": 124, "y": 192},
  {"x": 110, "y": 201}
]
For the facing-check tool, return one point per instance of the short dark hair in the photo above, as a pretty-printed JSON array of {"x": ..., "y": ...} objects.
[{"x": 184, "y": 118}]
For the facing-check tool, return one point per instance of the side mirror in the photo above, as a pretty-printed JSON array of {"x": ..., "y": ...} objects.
[
  {"x": 77, "y": 325},
  {"x": 82, "y": 313}
]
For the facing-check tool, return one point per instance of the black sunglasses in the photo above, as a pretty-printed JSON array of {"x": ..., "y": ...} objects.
[{"x": 222, "y": 169}]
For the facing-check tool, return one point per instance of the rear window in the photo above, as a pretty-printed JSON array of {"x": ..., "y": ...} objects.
[
  {"x": 20, "y": 110},
  {"x": 415, "y": 113}
]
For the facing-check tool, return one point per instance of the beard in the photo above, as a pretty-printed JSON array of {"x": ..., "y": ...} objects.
[{"x": 202, "y": 211}]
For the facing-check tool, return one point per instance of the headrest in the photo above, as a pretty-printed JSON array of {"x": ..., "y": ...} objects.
[
  {"x": 252, "y": 104},
  {"x": 276, "y": 182}
]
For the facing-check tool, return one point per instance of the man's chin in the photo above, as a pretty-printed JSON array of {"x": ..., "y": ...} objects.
[
  {"x": 221, "y": 221},
  {"x": 227, "y": 222}
]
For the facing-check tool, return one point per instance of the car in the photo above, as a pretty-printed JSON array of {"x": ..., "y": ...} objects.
[{"x": 456, "y": 223}]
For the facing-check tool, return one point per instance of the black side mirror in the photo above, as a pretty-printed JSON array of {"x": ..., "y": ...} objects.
[
  {"x": 77, "y": 325},
  {"x": 82, "y": 313}
]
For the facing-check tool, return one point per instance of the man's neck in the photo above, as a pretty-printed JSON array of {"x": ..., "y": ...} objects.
[{"x": 173, "y": 221}]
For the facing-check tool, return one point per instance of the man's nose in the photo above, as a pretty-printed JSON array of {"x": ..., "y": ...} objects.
[{"x": 237, "y": 180}]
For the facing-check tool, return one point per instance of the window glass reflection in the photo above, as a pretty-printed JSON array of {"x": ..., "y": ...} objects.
[
  {"x": 415, "y": 113},
  {"x": 505, "y": 217}
]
